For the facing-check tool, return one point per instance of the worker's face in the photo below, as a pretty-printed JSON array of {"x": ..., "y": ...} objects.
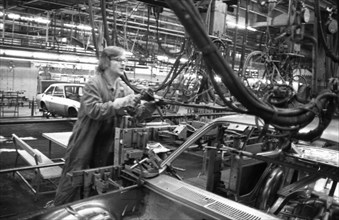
[{"x": 118, "y": 65}]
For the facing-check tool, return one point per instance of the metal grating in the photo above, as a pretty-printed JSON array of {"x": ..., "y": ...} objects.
[
  {"x": 231, "y": 212},
  {"x": 193, "y": 196},
  {"x": 216, "y": 206}
]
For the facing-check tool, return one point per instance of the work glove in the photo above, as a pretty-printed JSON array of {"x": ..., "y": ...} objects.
[{"x": 121, "y": 105}]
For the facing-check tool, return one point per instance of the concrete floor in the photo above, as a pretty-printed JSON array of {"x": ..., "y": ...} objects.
[{"x": 15, "y": 197}]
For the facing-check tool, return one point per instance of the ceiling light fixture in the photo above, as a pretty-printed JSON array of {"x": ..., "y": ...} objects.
[
  {"x": 35, "y": 19},
  {"x": 47, "y": 56},
  {"x": 13, "y": 16},
  {"x": 84, "y": 27},
  {"x": 25, "y": 18},
  {"x": 240, "y": 26},
  {"x": 80, "y": 27}
]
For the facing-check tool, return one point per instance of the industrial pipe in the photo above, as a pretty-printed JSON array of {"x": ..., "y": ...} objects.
[
  {"x": 189, "y": 17},
  {"x": 10, "y": 170}
]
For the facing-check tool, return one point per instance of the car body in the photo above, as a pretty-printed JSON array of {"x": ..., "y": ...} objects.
[
  {"x": 62, "y": 99},
  {"x": 165, "y": 195}
]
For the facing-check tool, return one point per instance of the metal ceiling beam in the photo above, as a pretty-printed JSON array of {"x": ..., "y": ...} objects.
[
  {"x": 144, "y": 18},
  {"x": 153, "y": 29},
  {"x": 25, "y": 3},
  {"x": 56, "y": 3}
]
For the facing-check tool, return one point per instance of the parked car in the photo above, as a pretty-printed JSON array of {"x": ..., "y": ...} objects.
[{"x": 61, "y": 99}]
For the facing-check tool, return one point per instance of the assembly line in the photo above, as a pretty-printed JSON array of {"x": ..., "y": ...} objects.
[{"x": 242, "y": 123}]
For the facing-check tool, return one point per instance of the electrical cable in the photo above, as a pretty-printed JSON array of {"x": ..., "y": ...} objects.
[
  {"x": 156, "y": 16},
  {"x": 163, "y": 85},
  {"x": 190, "y": 18},
  {"x": 114, "y": 32},
  {"x": 221, "y": 95},
  {"x": 173, "y": 70},
  {"x": 329, "y": 53},
  {"x": 324, "y": 121},
  {"x": 93, "y": 28},
  {"x": 104, "y": 21}
]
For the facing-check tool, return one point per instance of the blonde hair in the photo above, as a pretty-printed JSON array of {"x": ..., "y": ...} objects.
[{"x": 106, "y": 55}]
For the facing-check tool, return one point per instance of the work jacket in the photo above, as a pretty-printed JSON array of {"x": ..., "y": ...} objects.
[
  {"x": 92, "y": 139},
  {"x": 93, "y": 133}
]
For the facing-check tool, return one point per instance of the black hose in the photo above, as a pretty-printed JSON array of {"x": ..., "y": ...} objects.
[
  {"x": 164, "y": 84},
  {"x": 189, "y": 17},
  {"x": 104, "y": 21},
  {"x": 230, "y": 104},
  {"x": 125, "y": 79},
  {"x": 324, "y": 120},
  {"x": 329, "y": 52},
  {"x": 93, "y": 28},
  {"x": 173, "y": 70},
  {"x": 182, "y": 49},
  {"x": 114, "y": 29}
]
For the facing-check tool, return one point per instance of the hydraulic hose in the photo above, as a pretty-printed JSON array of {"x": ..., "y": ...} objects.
[
  {"x": 174, "y": 71},
  {"x": 189, "y": 17},
  {"x": 104, "y": 21},
  {"x": 221, "y": 95},
  {"x": 91, "y": 18},
  {"x": 329, "y": 53},
  {"x": 324, "y": 121}
]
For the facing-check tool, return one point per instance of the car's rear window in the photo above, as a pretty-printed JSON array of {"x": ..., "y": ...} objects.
[
  {"x": 58, "y": 91},
  {"x": 74, "y": 92}
]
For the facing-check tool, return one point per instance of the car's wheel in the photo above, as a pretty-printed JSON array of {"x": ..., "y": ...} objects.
[
  {"x": 72, "y": 112},
  {"x": 44, "y": 109}
]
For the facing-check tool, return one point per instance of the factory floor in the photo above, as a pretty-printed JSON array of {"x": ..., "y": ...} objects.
[{"x": 15, "y": 197}]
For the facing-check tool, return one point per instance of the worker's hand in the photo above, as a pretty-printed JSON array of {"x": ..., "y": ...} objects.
[{"x": 129, "y": 101}]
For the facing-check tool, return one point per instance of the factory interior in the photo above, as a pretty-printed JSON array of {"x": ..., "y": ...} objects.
[{"x": 245, "y": 108}]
